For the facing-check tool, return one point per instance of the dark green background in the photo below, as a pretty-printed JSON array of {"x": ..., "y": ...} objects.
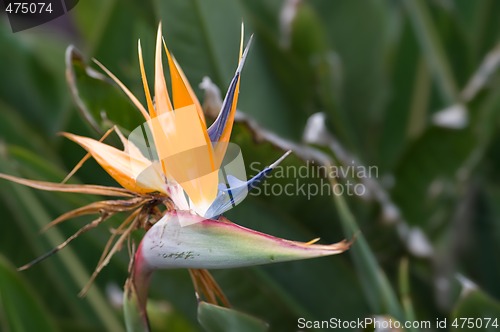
[{"x": 378, "y": 69}]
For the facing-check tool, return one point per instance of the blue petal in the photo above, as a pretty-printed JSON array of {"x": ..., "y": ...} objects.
[
  {"x": 216, "y": 129},
  {"x": 235, "y": 191}
]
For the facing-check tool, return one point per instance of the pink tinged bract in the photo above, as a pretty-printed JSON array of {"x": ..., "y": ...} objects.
[{"x": 185, "y": 240}]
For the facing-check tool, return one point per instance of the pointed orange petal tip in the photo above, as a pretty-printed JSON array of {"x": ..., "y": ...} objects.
[
  {"x": 163, "y": 103},
  {"x": 149, "y": 101},
  {"x": 133, "y": 173},
  {"x": 182, "y": 92}
]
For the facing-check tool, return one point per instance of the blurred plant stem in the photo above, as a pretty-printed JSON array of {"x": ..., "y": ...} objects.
[
  {"x": 378, "y": 290},
  {"x": 404, "y": 290}
]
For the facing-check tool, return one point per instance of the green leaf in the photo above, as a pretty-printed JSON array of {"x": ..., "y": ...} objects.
[
  {"x": 435, "y": 156},
  {"x": 134, "y": 320},
  {"x": 477, "y": 307},
  {"x": 218, "y": 319},
  {"x": 20, "y": 308},
  {"x": 30, "y": 64},
  {"x": 377, "y": 288},
  {"x": 32, "y": 215},
  {"x": 411, "y": 88},
  {"x": 433, "y": 50},
  {"x": 360, "y": 46},
  {"x": 98, "y": 99}
]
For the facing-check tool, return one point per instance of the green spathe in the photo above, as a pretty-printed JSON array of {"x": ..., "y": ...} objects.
[{"x": 185, "y": 240}]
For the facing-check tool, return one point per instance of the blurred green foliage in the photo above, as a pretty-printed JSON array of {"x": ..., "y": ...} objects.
[{"x": 385, "y": 73}]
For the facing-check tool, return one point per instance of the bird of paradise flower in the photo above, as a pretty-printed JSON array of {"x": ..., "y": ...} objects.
[{"x": 174, "y": 185}]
